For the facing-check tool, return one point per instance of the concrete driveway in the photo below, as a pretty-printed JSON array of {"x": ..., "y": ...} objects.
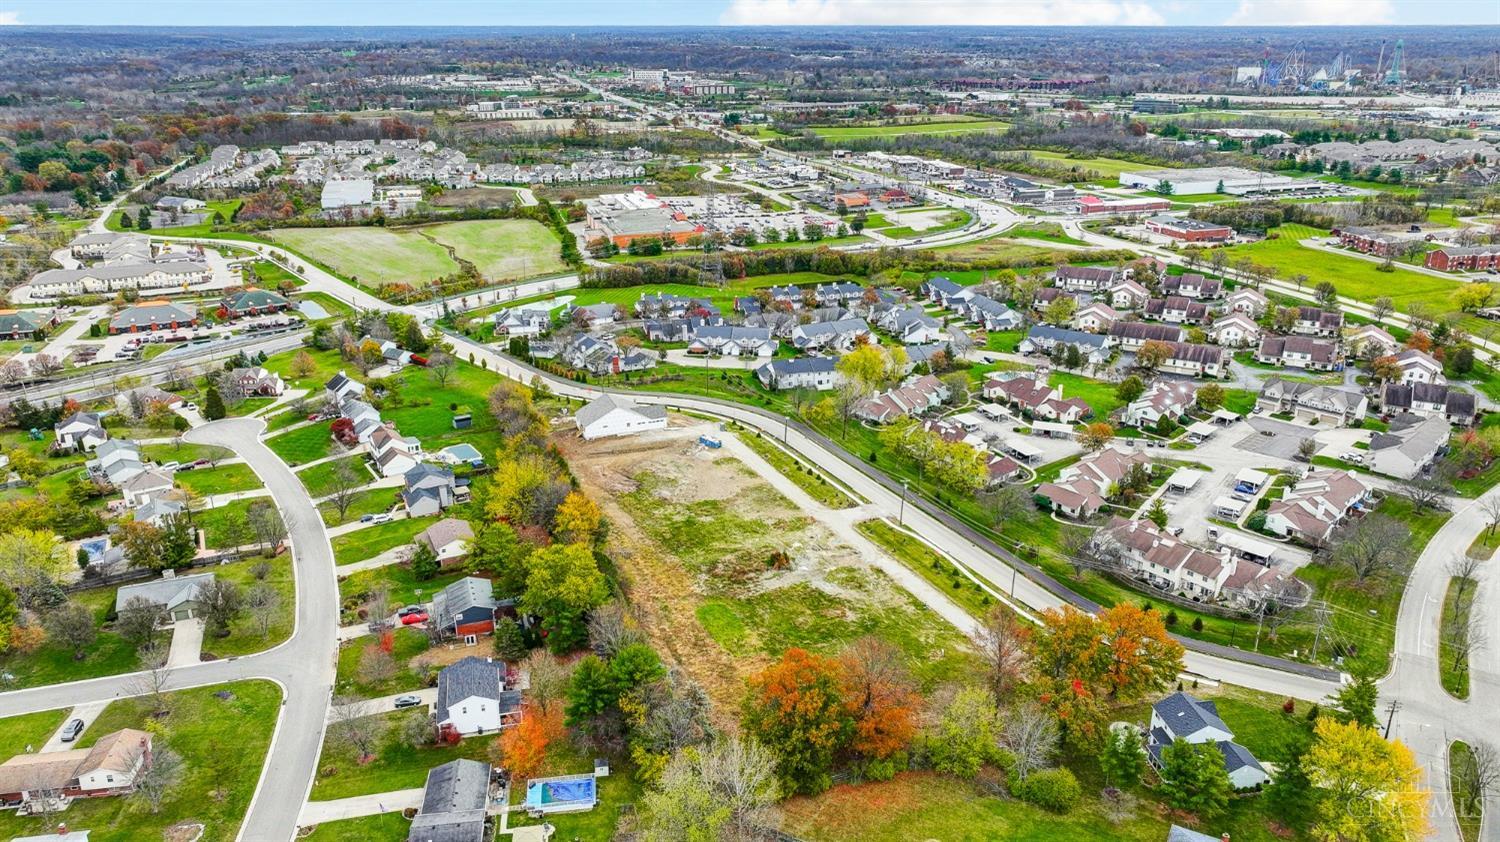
[
  {"x": 386, "y": 704},
  {"x": 314, "y": 812},
  {"x": 187, "y": 643},
  {"x": 88, "y": 712}
]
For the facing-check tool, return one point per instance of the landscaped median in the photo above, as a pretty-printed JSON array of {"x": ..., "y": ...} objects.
[
  {"x": 1466, "y": 789},
  {"x": 1456, "y": 638}
]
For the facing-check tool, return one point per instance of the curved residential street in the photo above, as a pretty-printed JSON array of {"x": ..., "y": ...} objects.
[{"x": 303, "y": 665}]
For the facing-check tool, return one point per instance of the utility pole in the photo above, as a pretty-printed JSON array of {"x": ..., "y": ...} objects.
[
  {"x": 1391, "y": 716},
  {"x": 1322, "y": 612}
]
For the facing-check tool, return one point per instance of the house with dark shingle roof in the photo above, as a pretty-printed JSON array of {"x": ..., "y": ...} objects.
[
  {"x": 454, "y": 803},
  {"x": 253, "y": 301},
  {"x": 152, "y": 315},
  {"x": 465, "y": 608},
  {"x": 1182, "y": 717},
  {"x": 472, "y": 698},
  {"x": 24, "y": 324},
  {"x": 428, "y": 490}
]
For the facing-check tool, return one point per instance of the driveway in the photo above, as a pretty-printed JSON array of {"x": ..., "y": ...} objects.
[
  {"x": 187, "y": 643},
  {"x": 315, "y": 812},
  {"x": 88, "y": 712},
  {"x": 386, "y": 704}
]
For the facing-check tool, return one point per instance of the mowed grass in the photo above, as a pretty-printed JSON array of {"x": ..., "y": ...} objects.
[
  {"x": 304, "y": 444},
  {"x": 396, "y": 765},
  {"x": 502, "y": 248},
  {"x": 386, "y": 827},
  {"x": 221, "y": 480},
  {"x": 30, "y": 729},
  {"x": 1096, "y": 393},
  {"x": 223, "y": 745},
  {"x": 369, "y": 255},
  {"x": 892, "y": 130},
  {"x": 815, "y": 484},
  {"x": 1108, "y": 167},
  {"x": 406, "y": 644},
  {"x": 402, "y": 587},
  {"x": 371, "y": 541}
]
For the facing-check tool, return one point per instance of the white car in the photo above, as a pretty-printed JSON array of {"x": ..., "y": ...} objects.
[
  {"x": 168, "y": 467},
  {"x": 1355, "y": 456}
]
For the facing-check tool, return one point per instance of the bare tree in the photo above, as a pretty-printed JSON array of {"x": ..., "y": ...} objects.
[
  {"x": 222, "y": 601},
  {"x": 1011, "y": 504},
  {"x": 1464, "y": 569},
  {"x": 45, "y": 365},
  {"x": 1476, "y": 776},
  {"x": 345, "y": 484},
  {"x": 547, "y": 677},
  {"x": 378, "y": 608},
  {"x": 266, "y": 523},
  {"x": 1002, "y": 645},
  {"x": 151, "y": 682},
  {"x": 1429, "y": 490},
  {"x": 376, "y": 666},
  {"x": 441, "y": 366},
  {"x": 157, "y": 778},
  {"x": 610, "y": 630},
  {"x": 1307, "y": 449},
  {"x": 353, "y": 726},
  {"x": 73, "y": 626},
  {"x": 729, "y": 786},
  {"x": 139, "y": 621},
  {"x": 1030, "y": 735},
  {"x": 1372, "y": 546},
  {"x": 264, "y": 602},
  {"x": 1490, "y": 505}
]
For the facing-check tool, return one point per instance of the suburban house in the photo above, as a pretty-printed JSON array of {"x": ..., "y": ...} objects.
[
  {"x": 428, "y": 490},
  {"x": 158, "y": 510},
  {"x": 258, "y": 381},
  {"x": 818, "y": 373},
  {"x": 678, "y": 330},
  {"x": 146, "y": 486},
  {"x": 394, "y": 454},
  {"x": 1087, "y": 278},
  {"x": 1097, "y": 317},
  {"x": 1162, "y": 399},
  {"x": 665, "y": 305},
  {"x": 1130, "y": 336},
  {"x": 1311, "y": 401},
  {"x": 600, "y": 356},
  {"x": 594, "y": 315},
  {"x": 1235, "y": 330},
  {"x": 1192, "y": 286},
  {"x": 838, "y": 293},
  {"x": 916, "y": 395},
  {"x": 1429, "y": 399},
  {"x": 342, "y": 386},
  {"x": 454, "y": 803},
  {"x": 522, "y": 321},
  {"x": 1081, "y": 488},
  {"x": 1299, "y": 352},
  {"x": 110, "y": 767},
  {"x": 1041, "y": 339},
  {"x": 988, "y": 313},
  {"x": 1248, "y": 301},
  {"x": 253, "y": 301},
  {"x": 177, "y": 596},
  {"x": 1195, "y": 360},
  {"x": 837, "y": 335},
  {"x": 1178, "y": 310},
  {"x": 116, "y": 461},
  {"x": 1167, "y": 563},
  {"x": 79, "y": 431},
  {"x": 733, "y": 341},
  {"x": 449, "y": 539},
  {"x": 939, "y": 290},
  {"x": 472, "y": 698},
  {"x": 465, "y": 609},
  {"x": 1412, "y": 443},
  {"x": 1037, "y": 399},
  {"x": 152, "y": 315},
  {"x": 1182, "y": 717},
  {"x": 1311, "y": 509},
  {"x": 1312, "y": 321},
  {"x": 1128, "y": 295},
  {"x": 364, "y": 418},
  {"x": 615, "y": 415},
  {"x": 1367, "y": 335},
  {"x": 1419, "y": 367},
  {"x": 910, "y": 324}
]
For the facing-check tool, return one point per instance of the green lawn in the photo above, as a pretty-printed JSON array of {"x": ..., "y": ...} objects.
[
  {"x": 1470, "y": 815},
  {"x": 502, "y": 249},
  {"x": 320, "y": 478},
  {"x": 55, "y": 664},
  {"x": 814, "y": 483},
  {"x": 926, "y": 562},
  {"x": 396, "y": 765},
  {"x": 1454, "y": 676},
  {"x": 403, "y": 587},
  {"x": 1109, "y": 168},
  {"x": 223, "y": 744},
  {"x": 272, "y": 275},
  {"x": 1240, "y": 400},
  {"x": 370, "y": 502},
  {"x": 386, "y": 827},
  {"x": 616, "y": 794},
  {"x": 1052, "y": 232},
  {"x": 227, "y": 525},
  {"x": 183, "y": 452},
  {"x": 1002, "y": 247},
  {"x": 1004, "y": 341},
  {"x": 304, "y": 444},
  {"x": 406, "y": 644},
  {"x": 1096, "y": 393},
  {"x": 369, "y": 255},
  {"x": 225, "y": 207},
  {"x": 221, "y": 480},
  {"x": 944, "y": 127},
  {"x": 30, "y": 729},
  {"x": 952, "y": 220},
  {"x": 371, "y": 541}
]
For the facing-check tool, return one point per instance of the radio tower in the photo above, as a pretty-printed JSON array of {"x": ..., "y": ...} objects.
[{"x": 713, "y": 258}]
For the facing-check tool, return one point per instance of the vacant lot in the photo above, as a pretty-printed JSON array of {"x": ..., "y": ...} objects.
[
  {"x": 1107, "y": 167},
  {"x": 502, "y": 248},
  {"x": 370, "y": 255},
  {"x": 944, "y": 127}
]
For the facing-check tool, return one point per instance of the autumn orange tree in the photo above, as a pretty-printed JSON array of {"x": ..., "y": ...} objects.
[
  {"x": 882, "y": 701},
  {"x": 523, "y": 749},
  {"x": 796, "y": 709}
]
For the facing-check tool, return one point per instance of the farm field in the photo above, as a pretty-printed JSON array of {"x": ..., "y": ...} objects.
[
  {"x": 948, "y": 126},
  {"x": 502, "y": 249}
]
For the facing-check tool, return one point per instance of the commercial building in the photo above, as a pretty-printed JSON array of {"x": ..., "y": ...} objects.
[
  {"x": 1188, "y": 230},
  {"x": 1236, "y": 181},
  {"x": 1095, "y": 206},
  {"x": 1453, "y": 259}
]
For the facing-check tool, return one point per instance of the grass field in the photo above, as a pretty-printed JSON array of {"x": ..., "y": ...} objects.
[
  {"x": 304, "y": 444},
  {"x": 221, "y": 480},
  {"x": 943, "y": 127},
  {"x": 1003, "y": 247},
  {"x": 222, "y": 742},
  {"x": 401, "y": 585},
  {"x": 370, "y": 255},
  {"x": 226, "y": 525},
  {"x": 925, "y": 562},
  {"x": 1110, "y": 168},
  {"x": 405, "y": 644},
  {"x": 502, "y": 249},
  {"x": 1049, "y": 231},
  {"x": 31, "y": 729},
  {"x": 1096, "y": 393},
  {"x": 396, "y": 765},
  {"x": 319, "y": 479},
  {"x": 386, "y": 827},
  {"x": 815, "y": 484},
  {"x": 952, "y": 220},
  {"x": 374, "y": 540}
]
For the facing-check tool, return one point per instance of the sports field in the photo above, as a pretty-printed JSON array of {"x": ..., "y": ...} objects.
[
  {"x": 944, "y": 127},
  {"x": 502, "y": 248}
]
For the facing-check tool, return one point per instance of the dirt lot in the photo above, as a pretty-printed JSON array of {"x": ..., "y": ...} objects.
[{"x": 693, "y": 532}]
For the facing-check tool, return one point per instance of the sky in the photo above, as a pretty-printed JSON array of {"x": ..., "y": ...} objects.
[{"x": 748, "y": 12}]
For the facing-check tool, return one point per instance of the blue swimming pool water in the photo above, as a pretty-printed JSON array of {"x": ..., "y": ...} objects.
[
  {"x": 542, "y": 793},
  {"x": 463, "y": 452},
  {"x": 95, "y": 547}
]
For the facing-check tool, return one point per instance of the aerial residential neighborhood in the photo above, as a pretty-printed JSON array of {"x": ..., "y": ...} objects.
[{"x": 749, "y": 421}]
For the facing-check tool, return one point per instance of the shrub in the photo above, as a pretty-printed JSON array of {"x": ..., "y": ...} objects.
[{"x": 1051, "y": 789}]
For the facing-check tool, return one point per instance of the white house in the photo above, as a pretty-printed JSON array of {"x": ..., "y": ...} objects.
[
  {"x": 1418, "y": 367},
  {"x": 1162, "y": 399},
  {"x": 1411, "y": 444},
  {"x": 818, "y": 373},
  {"x": 472, "y": 698},
  {"x": 449, "y": 539},
  {"x": 613, "y": 415},
  {"x": 1312, "y": 508},
  {"x": 80, "y": 431},
  {"x": 341, "y": 386},
  {"x": 522, "y": 321},
  {"x": 1235, "y": 330},
  {"x": 1097, "y": 317},
  {"x": 1248, "y": 301},
  {"x": 1180, "y": 716}
]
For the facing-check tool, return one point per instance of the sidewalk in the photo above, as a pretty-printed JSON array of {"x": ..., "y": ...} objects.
[{"x": 314, "y": 812}]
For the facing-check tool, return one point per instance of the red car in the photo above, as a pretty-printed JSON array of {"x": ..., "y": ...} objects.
[{"x": 413, "y": 618}]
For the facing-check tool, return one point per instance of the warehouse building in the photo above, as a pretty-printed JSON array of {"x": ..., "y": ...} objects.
[{"x": 1236, "y": 181}]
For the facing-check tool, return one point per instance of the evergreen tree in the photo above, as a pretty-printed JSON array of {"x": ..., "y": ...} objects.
[
  {"x": 143, "y": 219},
  {"x": 1123, "y": 760},
  {"x": 1193, "y": 777},
  {"x": 509, "y": 645},
  {"x": 424, "y": 562},
  {"x": 213, "y": 405}
]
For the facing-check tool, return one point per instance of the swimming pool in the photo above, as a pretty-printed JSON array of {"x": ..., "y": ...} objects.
[
  {"x": 462, "y": 452},
  {"x": 564, "y": 794},
  {"x": 95, "y": 547}
]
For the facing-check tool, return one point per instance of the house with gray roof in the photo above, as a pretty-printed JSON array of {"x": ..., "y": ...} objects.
[
  {"x": 818, "y": 373},
  {"x": 1326, "y": 403},
  {"x": 1429, "y": 399},
  {"x": 449, "y": 539},
  {"x": 116, "y": 461},
  {"x": 454, "y": 803},
  {"x": 836, "y": 335},
  {"x": 465, "y": 608},
  {"x": 1041, "y": 339},
  {"x": 1182, "y": 717},
  {"x": 177, "y": 596},
  {"x": 473, "y": 699},
  {"x": 152, "y": 315},
  {"x": 1178, "y": 833},
  {"x": 157, "y": 510},
  {"x": 428, "y": 489},
  {"x": 1410, "y": 445},
  {"x": 617, "y": 415}
]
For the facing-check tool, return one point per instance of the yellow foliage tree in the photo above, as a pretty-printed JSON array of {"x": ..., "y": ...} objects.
[
  {"x": 513, "y": 482},
  {"x": 578, "y": 519},
  {"x": 1372, "y": 788}
]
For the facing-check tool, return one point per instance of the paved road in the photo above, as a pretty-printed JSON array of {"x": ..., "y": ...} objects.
[{"x": 303, "y": 665}]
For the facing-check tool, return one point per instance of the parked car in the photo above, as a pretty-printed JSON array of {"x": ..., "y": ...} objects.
[
  {"x": 71, "y": 731},
  {"x": 1354, "y": 456},
  {"x": 413, "y": 619},
  {"x": 407, "y": 701},
  {"x": 380, "y": 517}
]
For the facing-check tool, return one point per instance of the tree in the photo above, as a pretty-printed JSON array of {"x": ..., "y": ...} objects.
[
  {"x": 264, "y": 602},
  {"x": 1096, "y": 436},
  {"x": 1123, "y": 761},
  {"x": 1371, "y": 789},
  {"x": 523, "y": 748},
  {"x": 139, "y": 621},
  {"x": 1427, "y": 491},
  {"x": 1130, "y": 388},
  {"x": 1307, "y": 449},
  {"x": 578, "y": 519},
  {"x": 1371, "y": 546},
  {"x": 1327, "y": 293},
  {"x": 867, "y": 366},
  {"x": 440, "y": 366},
  {"x": 1009, "y": 505},
  {"x": 151, "y": 681},
  {"x": 1193, "y": 778},
  {"x": 424, "y": 562},
  {"x": 563, "y": 583},
  {"x": 1001, "y": 640},
  {"x": 1158, "y": 513},
  {"x": 1164, "y": 187},
  {"x": 1471, "y": 297},
  {"x": 883, "y": 701},
  {"x": 265, "y": 521},
  {"x": 352, "y": 726},
  {"x": 509, "y": 645},
  {"x": 157, "y": 778},
  {"x": 1210, "y": 397},
  {"x": 213, "y": 405},
  {"x": 1060, "y": 310},
  {"x": 796, "y": 710},
  {"x": 1030, "y": 735},
  {"x": 724, "y": 790},
  {"x": 1152, "y": 354},
  {"x": 966, "y": 735},
  {"x": 303, "y": 365},
  {"x": 1476, "y": 776},
  {"x": 1355, "y": 702},
  {"x": 32, "y": 562},
  {"x": 222, "y": 602},
  {"x": 72, "y": 625},
  {"x": 1382, "y": 308},
  {"x": 344, "y": 485}
]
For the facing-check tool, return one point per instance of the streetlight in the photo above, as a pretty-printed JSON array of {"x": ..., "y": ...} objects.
[{"x": 901, "y": 517}]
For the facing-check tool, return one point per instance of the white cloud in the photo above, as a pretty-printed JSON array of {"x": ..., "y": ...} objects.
[
  {"x": 10, "y": 18},
  {"x": 1312, "y": 12},
  {"x": 940, "y": 13}
]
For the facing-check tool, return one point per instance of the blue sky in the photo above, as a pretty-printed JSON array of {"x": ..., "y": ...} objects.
[{"x": 747, "y": 12}]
